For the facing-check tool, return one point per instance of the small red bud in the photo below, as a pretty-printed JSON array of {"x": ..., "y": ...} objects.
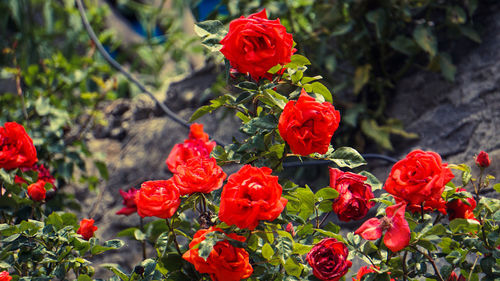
[{"x": 483, "y": 159}]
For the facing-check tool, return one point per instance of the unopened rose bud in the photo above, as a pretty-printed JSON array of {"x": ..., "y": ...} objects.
[
  {"x": 483, "y": 159},
  {"x": 289, "y": 228}
]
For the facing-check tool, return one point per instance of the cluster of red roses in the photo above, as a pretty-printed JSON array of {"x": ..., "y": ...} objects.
[
  {"x": 5, "y": 276},
  {"x": 17, "y": 151}
]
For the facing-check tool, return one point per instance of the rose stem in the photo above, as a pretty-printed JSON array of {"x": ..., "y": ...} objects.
[
  {"x": 143, "y": 242},
  {"x": 175, "y": 238},
  {"x": 433, "y": 263}
]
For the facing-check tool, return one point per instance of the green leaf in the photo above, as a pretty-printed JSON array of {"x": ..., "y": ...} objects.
[
  {"x": 84, "y": 277},
  {"x": 377, "y": 17},
  {"x": 284, "y": 247},
  {"x": 361, "y": 77},
  {"x": 208, "y": 27},
  {"x": 273, "y": 98},
  {"x": 293, "y": 267},
  {"x": 139, "y": 235},
  {"x": 301, "y": 249},
  {"x": 346, "y": 157},
  {"x": 103, "y": 170},
  {"x": 55, "y": 220},
  {"x": 447, "y": 68},
  {"x": 206, "y": 246},
  {"x": 372, "y": 130},
  {"x": 42, "y": 106},
  {"x": 321, "y": 89},
  {"x": 299, "y": 60},
  {"x": 425, "y": 39},
  {"x": 404, "y": 45},
  {"x": 464, "y": 225},
  {"x": 214, "y": 104},
  {"x": 247, "y": 85},
  {"x": 267, "y": 251},
  {"x": 115, "y": 268},
  {"x": 470, "y": 33},
  {"x": 325, "y": 206},
  {"x": 326, "y": 193},
  {"x": 307, "y": 200},
  {"x": 6, "y": 177},
  {"x": 260, "y": 124},
  {"x": 341, "y": 29},
  {"x": 371, "y": 180},
  {"x": 456, "y": 15},
  {"x": 496, "y": 187}
]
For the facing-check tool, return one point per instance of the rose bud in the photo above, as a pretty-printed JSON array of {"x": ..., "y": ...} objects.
[
  {"x": 128, "y": 202},
  {"x": 328, "y": 259},
  {"x": 36, "y": 191},
  {"x": 483, "y": 159},
  {"x": 87, "y": 228}
]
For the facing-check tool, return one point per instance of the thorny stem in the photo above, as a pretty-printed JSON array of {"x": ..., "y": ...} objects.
[
  {"x": 405, "y": 270},
  {"x": 431, "y": 260},
  {"x": 143, "y": 242},
  {"x": 174, "y": 237}
]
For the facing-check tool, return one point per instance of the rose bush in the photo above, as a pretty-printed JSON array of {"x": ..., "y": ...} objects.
[
  {"x": 255, "y": 44},
  {"x": 307, "y": 125}
]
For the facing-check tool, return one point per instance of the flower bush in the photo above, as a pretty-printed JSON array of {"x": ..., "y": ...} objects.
[{"x": 258, "y": 225}]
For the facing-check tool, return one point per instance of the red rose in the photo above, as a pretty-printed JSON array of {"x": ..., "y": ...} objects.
[
  {"x": 199, "y": 175},
  {"x": 4, "y": 276},
  {"x": 365, "y": 270},
  {"x": 255, "y": 44},
  {"x": 128, "y": 202},
  {"x": 397, "y": 234},
  {"x": 16, "y": 147},
  {"x": 458, "y": 209},
  {"x": 251, "y": 195},
  {"x": 36, "y": 191},
  {"x": 353, "y": 202},
  {"x": 87, "y": 228},
  {"x": 157, "y": 199},
  {"x": 328, "y": 259},
  {"x": 43, "y": 174},
  {"x": 196, "y": 146},
  {"x": 419, "y": 177},
  {"x": 307, "y": 125},
  {"x": 225, "y": 262},
  {"x": 483, "y": 159},
  {"x": 454, "y": 277}
]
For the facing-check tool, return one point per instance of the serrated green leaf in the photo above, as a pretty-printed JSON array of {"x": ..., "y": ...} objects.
[
  {"x": 208, "y": 27},
  {"x": 346, "y": 157},
  {"x": 301, "y": 249},
  {"x": 299, "y": 60},
  {"x": 293, "y": 267},
  {"x": 404, "y": 45},
  {"x": 464, "y": 225},
  {"x": 371, "y": 180},
  {"x": 321, "y": 89},
  {"x": 115, "y": 268}
]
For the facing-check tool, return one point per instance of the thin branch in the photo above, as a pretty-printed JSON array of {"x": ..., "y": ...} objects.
[
  {"x": 174, "y": 237},
  {"x": 431, "y": 260}
]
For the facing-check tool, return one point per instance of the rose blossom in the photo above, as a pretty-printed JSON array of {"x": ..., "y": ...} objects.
[
  {"x": 225, "y": 262},
  {"x": 419, "y": 177},
  {"x": 87, "y": 228},
  {"x": 353, "y": 202},
  {"x": 4, "y": 276},
  {"x": 365, "y": 270},
  {"x": 252, "y": 194},
  {"x": 459, "y": 209},
  {"x": 197, "y": 145},
  {"x": 397, "y": 234},
  {"x": 157, "y": 199},
  {"x": 199, "y": 175},
  {"x": 16, "y": 147},
  {"x": 36, "y": 191},
  {"x": 255, "y": 44},
  {"x": 483, "y": 159},
  {"x": 307, "y": 126},
  {"x": 128, "y": 201},
  {"x": 328, "y": 259}
]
